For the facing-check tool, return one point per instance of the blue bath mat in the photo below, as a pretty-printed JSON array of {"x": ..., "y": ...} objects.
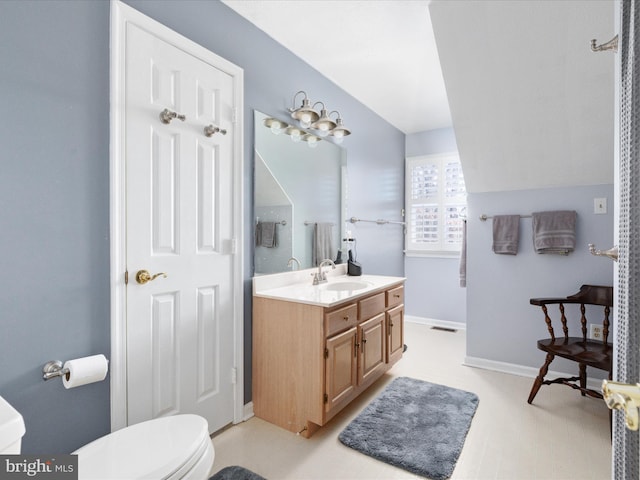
[{"x": 414, "y": 425}]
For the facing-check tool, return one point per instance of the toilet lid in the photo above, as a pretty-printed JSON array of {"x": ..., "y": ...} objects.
[{"x": 156, "y": 449}]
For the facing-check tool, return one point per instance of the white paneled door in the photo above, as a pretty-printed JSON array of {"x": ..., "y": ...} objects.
[{"x": 179, "y": 230}]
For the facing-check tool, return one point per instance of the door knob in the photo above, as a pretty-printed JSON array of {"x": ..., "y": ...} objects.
[
  {"x": 143, "y": 276},
  {"x": 625, "y": 397}
]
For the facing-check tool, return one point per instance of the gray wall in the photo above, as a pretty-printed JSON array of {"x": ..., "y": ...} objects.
[
  {"x": 501, "y": 325},
  {"x": 54, "y": 189},
  {"x": 54, "y": 214},
  {"x": 433, "y": 284}
]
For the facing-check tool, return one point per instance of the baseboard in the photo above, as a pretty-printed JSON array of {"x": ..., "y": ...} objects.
[
  {"x": 247, "y": 412},
  {"x": 522, "y": 371},
  {"x": 435, "y": 323}
]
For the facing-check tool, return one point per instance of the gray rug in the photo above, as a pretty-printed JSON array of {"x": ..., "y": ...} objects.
[
  {"x": 236, "y": 473},
  {"x": 415, "y": 425}
]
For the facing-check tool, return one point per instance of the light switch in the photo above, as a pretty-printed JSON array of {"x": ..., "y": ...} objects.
[{"x": 600, "y": 206}]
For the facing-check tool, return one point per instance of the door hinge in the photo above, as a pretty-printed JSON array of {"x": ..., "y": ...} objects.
[
  {"x": 234, "y": 375},
  {"x": 326, "y": 353},
  {"x": 126, "y": 277},
  {"x": 326, "y": 398}
]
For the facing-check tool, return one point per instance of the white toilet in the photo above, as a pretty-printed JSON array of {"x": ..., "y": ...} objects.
[{"x": 167, "y": 448}]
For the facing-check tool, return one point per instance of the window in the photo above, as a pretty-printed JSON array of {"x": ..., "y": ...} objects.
[{"x": 435, "y": 201}]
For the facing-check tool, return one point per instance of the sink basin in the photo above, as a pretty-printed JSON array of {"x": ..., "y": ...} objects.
[{"x": 346, "y": 286}]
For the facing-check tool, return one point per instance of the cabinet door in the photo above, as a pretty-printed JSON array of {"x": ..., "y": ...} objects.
[
  {"x": 395, "y": 333},
  {"x": 372, "y": 347},
  {"x": 341, "y": 371}
]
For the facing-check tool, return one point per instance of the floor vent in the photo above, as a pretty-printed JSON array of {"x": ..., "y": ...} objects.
[{"x": 445, "y": 329}]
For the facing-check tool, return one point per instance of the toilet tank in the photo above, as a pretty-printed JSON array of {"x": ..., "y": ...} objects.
[{"x": 11, "y": 429}]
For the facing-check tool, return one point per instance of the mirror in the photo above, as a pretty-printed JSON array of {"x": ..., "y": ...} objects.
[{"x": 296, "y": 187}]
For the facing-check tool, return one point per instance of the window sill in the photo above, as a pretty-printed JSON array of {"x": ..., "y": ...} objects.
[{"x": 431, "y": 254}]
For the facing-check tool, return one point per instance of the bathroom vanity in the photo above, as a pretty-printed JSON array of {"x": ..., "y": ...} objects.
[{"x": 317, "y": 347}]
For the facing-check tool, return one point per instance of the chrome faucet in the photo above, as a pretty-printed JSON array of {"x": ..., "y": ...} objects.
[
  {"x": 290, "y": 263},
  {"x": 320, "y": 276}
]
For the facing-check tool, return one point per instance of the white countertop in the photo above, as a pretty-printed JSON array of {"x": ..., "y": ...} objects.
[{"x": 297, "y": 286}]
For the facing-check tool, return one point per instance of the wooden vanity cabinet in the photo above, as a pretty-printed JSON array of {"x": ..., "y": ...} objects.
[{"x": 309, "y": 361}]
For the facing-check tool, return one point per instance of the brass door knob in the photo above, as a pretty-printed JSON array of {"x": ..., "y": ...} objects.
[{"x": 143, "y": 276}]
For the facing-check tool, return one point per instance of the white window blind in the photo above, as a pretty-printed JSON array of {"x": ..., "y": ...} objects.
[{"x": 435, "y": 200}]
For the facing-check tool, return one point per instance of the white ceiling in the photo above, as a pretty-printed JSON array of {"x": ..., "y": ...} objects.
[
  {"x": 381, "y": 52},
  {"x": 531, "y": 104}
]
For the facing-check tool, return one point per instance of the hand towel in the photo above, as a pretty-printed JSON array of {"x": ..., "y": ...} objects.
[
  {"x": 554, "y": 232},
  {"x": 463, "y": 256},
  {"x": 268, "y": 234},
  {"x": 505, "y": 234},
  {"x": 322, "y": 242}
]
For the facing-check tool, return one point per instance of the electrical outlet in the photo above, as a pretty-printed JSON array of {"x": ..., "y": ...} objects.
[{"x": 595, "y": 331}]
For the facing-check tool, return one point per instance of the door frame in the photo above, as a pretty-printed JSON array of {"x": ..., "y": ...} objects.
[{"x": 121, "y": 14}]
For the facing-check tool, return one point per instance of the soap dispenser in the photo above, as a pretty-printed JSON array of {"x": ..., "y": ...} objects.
[{"x": 353, "y": 268}]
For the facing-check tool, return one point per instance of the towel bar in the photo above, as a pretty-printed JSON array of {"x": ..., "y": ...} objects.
[
  {"x": 379, "y": 222},
  {"x": 484, "y": 217}
]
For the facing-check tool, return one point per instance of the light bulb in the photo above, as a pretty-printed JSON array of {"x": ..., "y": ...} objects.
[
  {"x": 295, "y": 136},
  {"x": 338, "y": 140},
  {"x": 305, "y": 119},
  {"x": 338, "y": 134},
  {"x": 276, "y": 128},
  {"x": 323, "y": 132},
  {"x": 313, "y": 142}
]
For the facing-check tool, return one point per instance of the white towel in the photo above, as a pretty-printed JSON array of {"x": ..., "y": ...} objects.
[{"x": 322, "y": 242}]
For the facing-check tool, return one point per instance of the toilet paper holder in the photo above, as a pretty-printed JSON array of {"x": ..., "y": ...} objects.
[{"x": 53, "y": 369}]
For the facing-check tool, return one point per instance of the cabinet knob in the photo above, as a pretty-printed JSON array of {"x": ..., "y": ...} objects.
[{"x": 346, "y": 318}]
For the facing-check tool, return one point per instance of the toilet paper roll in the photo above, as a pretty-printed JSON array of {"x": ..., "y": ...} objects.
[{"x": 85, "y": 370}]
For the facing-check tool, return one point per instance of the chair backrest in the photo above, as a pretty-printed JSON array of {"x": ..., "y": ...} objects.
[
  {"x": 594, "y": 295},
  {"x": 588, "y": 295}
]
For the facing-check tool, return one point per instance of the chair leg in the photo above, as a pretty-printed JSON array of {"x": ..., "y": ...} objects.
[
  {"x": 537, "y": 383},
  {"x": 583, "y": 378}
]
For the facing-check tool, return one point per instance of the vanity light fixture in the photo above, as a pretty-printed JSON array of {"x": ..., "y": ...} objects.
[
  {"x": 339, "y": 131},
  {"x": 305, "y": 114},
  {"x": 295, "y": 133},
  {"x": 311, "y": 140},
  {"x": 324, "y": 124},
  {"x": 275, "y": 125}
]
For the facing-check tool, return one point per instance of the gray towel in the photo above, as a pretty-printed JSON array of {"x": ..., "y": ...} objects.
[
  {"x": 463, "y": 256},
  {"x": 267, "y": 234},
  {"x": 505, "y": 234},
  {"x": 554, "y": 232},
  {"x": 322, "y": 239}
]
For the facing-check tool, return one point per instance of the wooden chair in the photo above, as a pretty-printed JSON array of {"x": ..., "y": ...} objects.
[{"x": 582, "y": 350}]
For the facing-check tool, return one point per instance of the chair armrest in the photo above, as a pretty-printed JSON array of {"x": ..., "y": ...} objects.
[
  {"x": 588, "y": 294},
  {"x": 548, "y": 301}
]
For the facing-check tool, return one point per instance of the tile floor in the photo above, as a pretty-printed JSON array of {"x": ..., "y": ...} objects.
[{"x": 562, "y": 436}]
